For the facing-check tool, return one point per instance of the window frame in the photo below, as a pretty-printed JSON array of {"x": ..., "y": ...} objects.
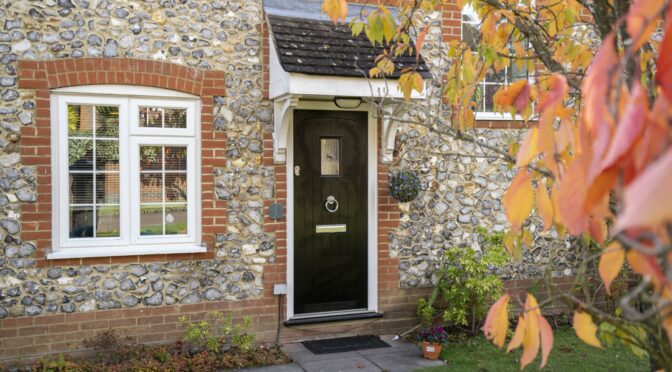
[
  {"x": 128, "y": 99},
  {"x": 487, "y": 115}
]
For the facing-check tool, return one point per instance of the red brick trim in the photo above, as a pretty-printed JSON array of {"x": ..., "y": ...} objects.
[{"x": 36, "y": 140}]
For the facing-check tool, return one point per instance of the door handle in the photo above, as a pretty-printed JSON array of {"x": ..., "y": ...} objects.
[{"x": 331, "y": 204}]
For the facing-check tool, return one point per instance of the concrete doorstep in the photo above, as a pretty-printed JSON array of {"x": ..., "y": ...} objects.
[{"x": 402, "y": 356}]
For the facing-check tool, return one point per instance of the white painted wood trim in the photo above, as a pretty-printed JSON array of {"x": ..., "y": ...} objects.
[
  {"x": 372, "y": 194},
  {"x": 124, "y": 251},
  {"x": 125, "y": 244},
  {"x": 124, "y": 91}
]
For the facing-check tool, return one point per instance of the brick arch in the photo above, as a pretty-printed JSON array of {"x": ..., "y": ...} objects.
[{"x": 35, "y": 144}]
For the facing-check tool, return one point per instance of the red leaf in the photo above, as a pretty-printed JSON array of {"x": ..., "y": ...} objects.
[
  {"x": 546, "y": 340},
  {"x": 629, "y": 128},
  {"x": 664, "y": 63},
  {"x": 648, "y": 198}
]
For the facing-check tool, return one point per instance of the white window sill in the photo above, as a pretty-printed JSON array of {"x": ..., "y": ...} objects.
[
  {"x": 122, "y": 251},
  {"x": 496, "y": 116}
]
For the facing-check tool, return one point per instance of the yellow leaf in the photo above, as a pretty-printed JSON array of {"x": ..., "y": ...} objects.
[
  {"x": 497, "y": 321},
  {"x": 611, "y": 262},
  {"x": 531, "y": 340},
  {"x": 544, "y": 205},
  {"x": 528, "y": 150},
  {"x": 518, "y": 335},
  {"x": 335, "y": 9},
  {"x": 585, "y": 328},
  {"x": 519, "y": 199}
]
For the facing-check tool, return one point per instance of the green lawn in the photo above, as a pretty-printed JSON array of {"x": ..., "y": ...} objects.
[{"x": 569, "y": 355}]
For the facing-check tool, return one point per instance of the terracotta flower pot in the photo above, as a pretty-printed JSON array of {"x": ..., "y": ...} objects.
[{"x": 431, "y": 350}]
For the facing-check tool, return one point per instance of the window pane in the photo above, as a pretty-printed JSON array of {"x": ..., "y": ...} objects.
[
  {"x": 107, "y": 188},
  {"x": 107, "y": 221},
  {"x": 81, "y": 188},
  {"x": 176, "y": 187},
  {"x": 80, "y": 154},
  {"x": 151, "y": 117},
  {"x": 175, "y": 118},
  {"x": 516, "y": 72},
  {"x": 478, "y": 98},
  {"x": 107, "y": 122},
  {"x": 151, "y": 219},
  {"x": 492, "y": 76},
  {"x": 176, "y": 158},
  {"x": 330, "y": 156},
  {"x": 151, "y": 188},
  {"x": 80, "y": 120},
  {"x": 470, "y": 35},
  {"x": 176, "y": 219},
  {"x": 151, "y": 158},
  {"x": 81, "y": 222},
  {"x": 161, "y": 117},
  {"x": 107, "y": 155},
  {"x": 490, "y": 90}
]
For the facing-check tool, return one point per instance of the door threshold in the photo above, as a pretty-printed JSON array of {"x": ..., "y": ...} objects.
[{"x": 332, "y": 318}]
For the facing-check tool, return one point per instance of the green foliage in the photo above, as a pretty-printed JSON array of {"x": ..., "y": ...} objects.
[
  {"x": 202, "y": 335},
  {"x": 467, "y": 283},
  {"x": 54, "y": 365}
]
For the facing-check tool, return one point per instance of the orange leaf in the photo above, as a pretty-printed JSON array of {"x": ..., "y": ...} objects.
[
  {"x": 640, "y": 20},
  {"x": 528, "y": 149},
  {"x": 497, "y": 322},
  {"x": 585, "y": 328},
  {"x": 546, "y": 340},
  {"x": 519, "y": 199},
  {"x": 515, "y": 95},
  {"x": 518, "y": 335},
  {"x": 544, "y": 205},
  {"x": 611, "y": 262},
  {"x": 419, "y": 41},
  {"x": 335, "y": 9},
  {"x": 664, "y": 62},
  {"x": 557, "y": 92},
  {"x": 647, "y": 266},
  {"x": 648, "y": 198}
]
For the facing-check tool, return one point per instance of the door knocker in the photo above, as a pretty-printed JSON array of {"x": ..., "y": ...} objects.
[{"x": 331, "y": 204}]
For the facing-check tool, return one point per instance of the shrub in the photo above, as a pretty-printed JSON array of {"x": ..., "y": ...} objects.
[
  {"x": 202, "y": 335},
  {"x": 467, "y": 283}
]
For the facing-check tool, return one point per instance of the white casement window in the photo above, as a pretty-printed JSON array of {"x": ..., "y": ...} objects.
[
  {"x": 125, "y": 172},
  {"x": 493, "y": 80}
]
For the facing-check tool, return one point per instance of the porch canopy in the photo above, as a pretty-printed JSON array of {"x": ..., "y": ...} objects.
[{"x": 311, "y": 58}]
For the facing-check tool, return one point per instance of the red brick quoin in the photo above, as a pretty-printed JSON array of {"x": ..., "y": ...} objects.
[{"x": 36, "y": 140}]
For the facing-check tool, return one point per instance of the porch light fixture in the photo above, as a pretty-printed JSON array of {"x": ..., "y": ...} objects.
[{"x": 347, "y": 102}]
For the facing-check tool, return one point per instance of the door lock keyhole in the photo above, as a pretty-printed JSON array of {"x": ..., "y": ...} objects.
[{"x": 297, "y": 170}]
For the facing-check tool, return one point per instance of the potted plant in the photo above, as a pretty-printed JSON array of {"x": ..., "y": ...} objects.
[
  {"x": 431, "y": 339},
  {"x": 404, "y": 186}
]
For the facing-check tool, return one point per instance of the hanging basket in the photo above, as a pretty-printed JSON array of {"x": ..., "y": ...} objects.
[{"x": 404, "y": 186}]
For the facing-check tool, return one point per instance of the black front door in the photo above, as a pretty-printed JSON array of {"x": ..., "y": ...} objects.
[{"x": 330, "y": 211}]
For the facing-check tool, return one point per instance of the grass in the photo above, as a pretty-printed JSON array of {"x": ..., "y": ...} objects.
[{"x": 568, "y": 354}]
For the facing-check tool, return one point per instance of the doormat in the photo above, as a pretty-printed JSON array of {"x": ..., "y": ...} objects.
[{"x": 343, "y": 344}]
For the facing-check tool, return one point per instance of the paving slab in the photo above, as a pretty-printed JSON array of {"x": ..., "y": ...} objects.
[
  {"x": 359, "y": 364},
  {"x": 402, "y": 362},
  {"x": 300, "y": 354},
  {"x": 290, "y": 367},
  {"x": 396, "y": 347}
]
